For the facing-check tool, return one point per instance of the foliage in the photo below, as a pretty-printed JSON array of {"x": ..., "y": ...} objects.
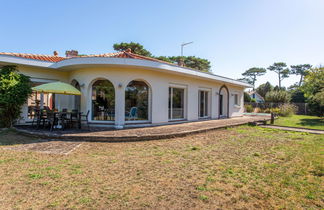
[
  {"x": 300, "y": 70},
  {"x": 313, "y": 89},
  {"x": 253, "y": 100},
  {"x": 252, "y": 73},
  {"x": 135, "y": 47},
  {"x": 193, "y": 62},
  {"x": 246, "y": 80},
  {"x": 247, "y": 97},
  {"x": 264, "y": 89},
  {"x": 188, "y": 61},
  {"x": 271, "y": 110},
  {"x": 277, "y": 88},
  {"x": 15, "y": 89},
  {"x": 278, "y": 96},
  {"x": 249, "y": 108},
  {"x": 286, "y": 110},
  {"x": 281, "y": 70},
  {"x": 297, "y": 95}
]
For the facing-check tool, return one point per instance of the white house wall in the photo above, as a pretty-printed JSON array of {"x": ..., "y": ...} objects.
[{"x": 159, "y": 83}]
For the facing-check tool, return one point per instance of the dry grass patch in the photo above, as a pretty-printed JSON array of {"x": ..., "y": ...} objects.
[{"x": 243, "y": 167}]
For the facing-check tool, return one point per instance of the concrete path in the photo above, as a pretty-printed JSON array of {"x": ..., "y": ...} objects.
[
  {"x": 147, "y": 133},
  {"x": 294, "y": 129}
]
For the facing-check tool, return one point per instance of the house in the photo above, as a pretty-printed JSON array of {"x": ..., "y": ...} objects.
[
  {"x": 125, "y": 89},
  {"x": 258, "y": 98}
]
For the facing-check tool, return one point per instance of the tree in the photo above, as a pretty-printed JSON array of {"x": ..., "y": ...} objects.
[
  {"x": 135, "y": 47},
  {"x": 264, "y": 89},
  {"x": 252, "y": 74},
  {"x": 281, "y": 70},
  {"x": 247, "y": 97},
  {"x": 193, "y": 62},
  {"x": 15, "y": 88},
  {"x": 246, "y": 80},
  {"x": 297, "y": 95},
  {"x": 300, "y": 70},
  {"x": 313, "y": 89},
  {"x": 280, "y": 96}
]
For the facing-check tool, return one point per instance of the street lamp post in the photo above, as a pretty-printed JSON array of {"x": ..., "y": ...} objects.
[{"x": 182, "y": 45}]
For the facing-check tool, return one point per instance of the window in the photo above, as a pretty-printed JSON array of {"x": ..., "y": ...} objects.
[
  {"x": 103, "y": 101},
  {"x": 137, "y": 101},
  {"x": 203, "y": 103},
  {"x": 176, "y": 103},
  {"x": 236, "y": 99}
]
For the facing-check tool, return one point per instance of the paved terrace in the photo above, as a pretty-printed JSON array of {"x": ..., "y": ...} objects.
[{"x": 147, "y": 133}]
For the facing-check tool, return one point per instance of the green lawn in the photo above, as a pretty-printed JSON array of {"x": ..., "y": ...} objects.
[
  {"x": 302, "y": 121},
  {"x": 243, "y": 167}
]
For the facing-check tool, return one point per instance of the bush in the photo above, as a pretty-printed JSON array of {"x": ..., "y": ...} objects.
[
  {"x": 313, "y": 89},
  {"x": 15, "y": 89},
  {"x": 249, "y": 108},
  {"x": 287, "y": 110},
  {"x": 279, "y": 96},
  {"x": 247, "y": 97},
  {"x": 272, "y": 110}
]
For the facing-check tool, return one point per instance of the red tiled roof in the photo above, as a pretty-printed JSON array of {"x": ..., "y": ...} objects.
[
  {"x": 49, "y": 58},
  {"x": 127, "y": 54},
  {"x": 52, "y": 58}
]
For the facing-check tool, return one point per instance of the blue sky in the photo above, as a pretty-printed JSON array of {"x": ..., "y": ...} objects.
[{"x": 233, "y": 34}]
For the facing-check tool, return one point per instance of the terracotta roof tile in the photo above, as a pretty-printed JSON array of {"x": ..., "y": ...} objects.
[
  {"x": 49, "y": 58},
  {"x": 54, "y": 59}
]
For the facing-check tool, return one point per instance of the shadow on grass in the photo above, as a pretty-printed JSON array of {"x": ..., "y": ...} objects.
[
  {"x": 312, "y": 122},
  {"x": 11, "y": 137}
]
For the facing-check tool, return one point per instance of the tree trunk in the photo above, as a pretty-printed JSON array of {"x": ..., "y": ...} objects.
[
  {"x": 301, "y": 80},
  {"x": 279, "y": 80}
]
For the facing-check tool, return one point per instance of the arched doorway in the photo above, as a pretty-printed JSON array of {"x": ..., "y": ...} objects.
[
  {"x": 77, "y": 99},
  {"x": 137, "y": 105},
  {"x": 103, "y": 100},
  {"x": 223, "y": 102}
]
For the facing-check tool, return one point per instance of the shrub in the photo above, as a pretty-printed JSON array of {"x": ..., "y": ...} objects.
[
  {"x": 313, "y": 89},
  {"x": 247, "y": 97},
  {"x": 279, "y": 96},
  {"x": 15, "y": 89},
  {"x": 249, "y": 108},
  {"x": 272, "y": 110},
  {"x": 286, "y": 110}
]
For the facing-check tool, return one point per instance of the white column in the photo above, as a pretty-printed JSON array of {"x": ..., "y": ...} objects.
[
  {"x": 192, "y": 102},
  {"x": 214, "y": 103},
  {"x": 119, "y": 107}
]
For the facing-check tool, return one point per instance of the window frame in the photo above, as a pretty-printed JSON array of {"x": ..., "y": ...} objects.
[
  {"x": 236, "y": 99},
  {"x": 149, "y": 104},
  {"x": 185, "y": 103},
  {"x": 207, "y": 112}
]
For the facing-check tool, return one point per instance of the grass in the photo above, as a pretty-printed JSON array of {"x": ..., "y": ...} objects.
[
  {"x": 239, "y": 168},
  {"x": 303, "y": 121}
]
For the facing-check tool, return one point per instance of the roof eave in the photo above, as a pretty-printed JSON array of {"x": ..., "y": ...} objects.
[{"x": 77, "y": 61}]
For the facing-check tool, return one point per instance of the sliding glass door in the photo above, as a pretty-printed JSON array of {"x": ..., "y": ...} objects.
[
  {"x": 176, "y": 103},
  {"x": 203, "y": 104}
]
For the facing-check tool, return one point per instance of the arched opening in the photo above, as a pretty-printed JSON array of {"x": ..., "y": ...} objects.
[
  {"x": 77, "y": 99},
  {"x": 223, "y": 102},
  {"x": 103, "y": 100},
  {"x": 137, "y": 104}
]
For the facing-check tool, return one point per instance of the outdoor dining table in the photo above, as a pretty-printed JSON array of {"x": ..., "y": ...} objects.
[{"x": 61, "y": 117}]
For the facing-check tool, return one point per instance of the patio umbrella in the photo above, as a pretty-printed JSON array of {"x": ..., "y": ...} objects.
[{"x": 58, "y": 88}]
